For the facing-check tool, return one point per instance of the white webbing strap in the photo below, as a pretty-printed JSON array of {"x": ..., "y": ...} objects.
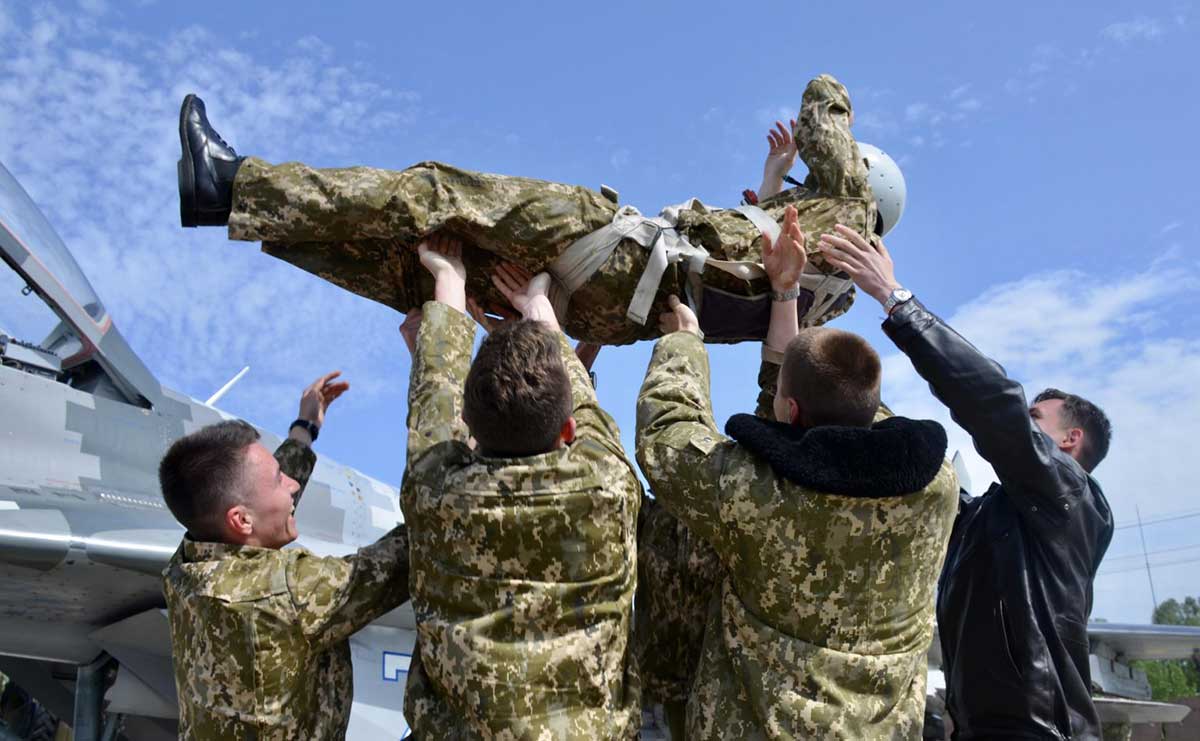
[
  {"x": 762, "y": 220},
  {"x": 826, "y": 288},
  {"x": 667, "y": 247},
  {"x": 576, "y": 265}
]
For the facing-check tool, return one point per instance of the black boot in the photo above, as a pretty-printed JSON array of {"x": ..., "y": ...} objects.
[{"x": 206, "y": 169}]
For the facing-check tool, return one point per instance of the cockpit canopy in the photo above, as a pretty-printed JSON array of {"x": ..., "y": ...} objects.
[{"x": 86, "y": 345}]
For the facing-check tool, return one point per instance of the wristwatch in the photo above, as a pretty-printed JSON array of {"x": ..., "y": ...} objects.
[
  {"x": 895, "y": 298},
  {"x": 787, "y": 295},
  {"x": 309, "y": 427}
]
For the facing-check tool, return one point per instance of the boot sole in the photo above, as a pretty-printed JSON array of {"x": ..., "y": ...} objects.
[{"x": 186, "y": 170}]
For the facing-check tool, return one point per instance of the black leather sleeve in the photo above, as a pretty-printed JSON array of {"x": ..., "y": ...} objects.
[{"x": 992, "y": 408}]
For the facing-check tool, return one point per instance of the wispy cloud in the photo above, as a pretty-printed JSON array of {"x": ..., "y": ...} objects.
[
  {"x": 1137, "y": 29},
  {"x": 1118, "y": 343},
  {"x": 918, "y": 124},
  {"x": 87, "y": 123}
]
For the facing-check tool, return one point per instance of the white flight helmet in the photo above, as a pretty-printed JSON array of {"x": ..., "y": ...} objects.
[{"x": 887, "y": 183}]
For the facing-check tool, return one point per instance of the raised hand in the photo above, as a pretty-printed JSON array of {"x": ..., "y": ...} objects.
[
  {"x": 442, "y": 256},
  {"x": 781, "y": 157},
  {"x": 866, "y": 262},
  {"x": 784, "y": 260},
  {"x": 528, "y": 294},
  {"x": 680, "y": 318},
  {"x": 490, "y": 317},
  {"x": 319, "y": 395},
  {"x": 781, "y": 152}
]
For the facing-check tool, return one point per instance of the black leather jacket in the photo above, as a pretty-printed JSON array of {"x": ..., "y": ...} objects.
[{"x": 1016, "y": 591}]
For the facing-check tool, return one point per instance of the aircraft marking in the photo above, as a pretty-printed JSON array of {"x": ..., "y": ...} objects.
[{"x": 395, "y": 664}]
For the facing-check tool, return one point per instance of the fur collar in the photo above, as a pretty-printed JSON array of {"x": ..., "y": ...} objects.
[{"x": 893, "y": 457}]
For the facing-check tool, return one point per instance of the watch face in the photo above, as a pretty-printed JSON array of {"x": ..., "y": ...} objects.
[{"x": 901, "y": 295}]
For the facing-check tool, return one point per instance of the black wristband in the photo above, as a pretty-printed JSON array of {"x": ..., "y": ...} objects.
[{"x": 309, "y": 427}]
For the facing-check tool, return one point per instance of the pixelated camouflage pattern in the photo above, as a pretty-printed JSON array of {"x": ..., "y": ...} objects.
[
  {"x": 826, "y": 610},
  {"x": 260, "y": 635},
  {"x": 678, "y": 575},
  {"x": 357, "y": 227},
  {"x": 523, "y": 568}
]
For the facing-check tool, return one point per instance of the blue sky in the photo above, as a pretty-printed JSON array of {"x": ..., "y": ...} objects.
[{"x": 1049, "y": 154}]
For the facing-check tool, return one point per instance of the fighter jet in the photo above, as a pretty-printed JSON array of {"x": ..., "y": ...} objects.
[{"x": 84, "y": 532}]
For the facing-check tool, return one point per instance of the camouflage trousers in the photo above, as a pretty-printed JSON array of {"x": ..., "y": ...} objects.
[{"x": 357, "y": 228}]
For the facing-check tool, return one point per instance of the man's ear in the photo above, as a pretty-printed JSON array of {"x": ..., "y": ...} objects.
[
  {"x": 567, "y": 433},
  {"x": 1073, "y": 440},
  {"x": 793, "y": 411},
  {"x": 239, "y": 522}
]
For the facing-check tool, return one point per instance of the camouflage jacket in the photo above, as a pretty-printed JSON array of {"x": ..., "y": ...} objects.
[
  {"x": 356, "y": 227},
  {"x": 259, "y": 635},
  {"x": 826, "y": 608},
  {"x": 678, "y": 575},
  {"x": 523, "y": 568}
]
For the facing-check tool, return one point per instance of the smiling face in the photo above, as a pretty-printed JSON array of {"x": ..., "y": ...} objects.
[{"x": 266, "y": 516}]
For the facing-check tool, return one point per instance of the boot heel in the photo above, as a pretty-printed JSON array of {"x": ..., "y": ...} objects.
[{"x": 187, "y": 193}]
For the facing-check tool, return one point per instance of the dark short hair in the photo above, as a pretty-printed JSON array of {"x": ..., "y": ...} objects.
[
  {"x": 517, "y": 394},
  {"x": 201, "y": 475},
  {"x": 1079, "y": 412},
  {"x": 833, "y": 375}
]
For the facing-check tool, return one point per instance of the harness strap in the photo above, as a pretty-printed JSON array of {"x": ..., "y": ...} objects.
[
  {"x": 761, "y": 219},
  {"x": 579, "y": 262}
]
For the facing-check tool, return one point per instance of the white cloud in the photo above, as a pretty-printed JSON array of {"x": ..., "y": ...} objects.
[
  {"x": 1138, "y": 29},
  {"x": 1119, "y": 343},
  {"x": 88, "y": 124},
  {"x": 919, "y": 123}
]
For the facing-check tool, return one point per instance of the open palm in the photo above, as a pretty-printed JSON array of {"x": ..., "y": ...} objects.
[{"x": 784, "y": 260}]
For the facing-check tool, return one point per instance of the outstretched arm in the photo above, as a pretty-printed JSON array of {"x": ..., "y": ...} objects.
[
  {"x": 442, "y": 348},
  {"x": 679, "y": 449},
  {"x": 781, "y": 156},
  {"x": 336, "y": 597},
  {"x": 988, "y": 404},
  {"x": 784, "y": 261},
  {"x": 295, "y": 455}
]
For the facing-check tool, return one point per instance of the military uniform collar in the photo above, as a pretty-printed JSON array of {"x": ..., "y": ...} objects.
[
  {"x": 203, "y": 550},
  {"x": 527, "y": 473},
  {"x": 893, "y": 457}
]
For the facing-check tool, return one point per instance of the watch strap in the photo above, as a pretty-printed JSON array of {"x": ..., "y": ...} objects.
[
  {"x": 309, "y": 427},
  {"x": 788, "y": 295},
  {"x": 895, "y": 298}
]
